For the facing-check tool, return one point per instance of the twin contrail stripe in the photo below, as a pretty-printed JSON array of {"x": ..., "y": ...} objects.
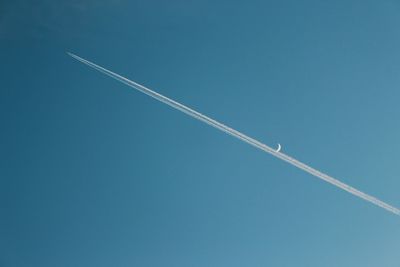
[{"x": 241, "y": 136}]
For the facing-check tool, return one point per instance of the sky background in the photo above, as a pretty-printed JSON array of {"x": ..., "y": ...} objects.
[{"x": 93, "y": 173}]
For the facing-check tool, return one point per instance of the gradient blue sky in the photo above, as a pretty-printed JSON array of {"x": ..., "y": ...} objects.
[{"x": 93, "y": 173}]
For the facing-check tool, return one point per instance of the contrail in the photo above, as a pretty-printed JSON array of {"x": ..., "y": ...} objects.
[{"x": 241, "y": 136}]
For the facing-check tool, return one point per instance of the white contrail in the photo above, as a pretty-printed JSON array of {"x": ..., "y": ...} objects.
[{"x": 241, "y": 136}]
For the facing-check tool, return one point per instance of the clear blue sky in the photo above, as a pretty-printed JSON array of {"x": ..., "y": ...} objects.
[{"x": 93, "y": 173}]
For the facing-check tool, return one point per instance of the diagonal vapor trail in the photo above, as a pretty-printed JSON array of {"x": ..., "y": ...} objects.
[{"x": 241, "y": 136}]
